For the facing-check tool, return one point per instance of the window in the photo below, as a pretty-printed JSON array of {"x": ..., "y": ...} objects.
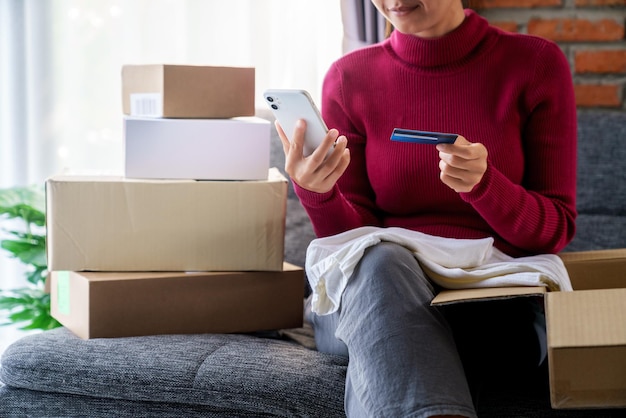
[
  {"x": 60, "y": 64},
  {"x": 60, "y": 70}
]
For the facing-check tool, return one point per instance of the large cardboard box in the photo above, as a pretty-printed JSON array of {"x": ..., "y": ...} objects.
[
  {"x": 586, "y": 329},
  {"x": 105, "y": 305},
  {"x": 202, "y": 149},
  {"x": 108, "y": 223},
  {"x": 187, "y": 91}
]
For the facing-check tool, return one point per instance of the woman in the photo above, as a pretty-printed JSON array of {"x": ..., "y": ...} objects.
[{"x": 510, "y": 175}]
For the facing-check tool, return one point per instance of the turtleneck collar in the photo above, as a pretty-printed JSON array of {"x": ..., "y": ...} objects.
[{"x": 446, "y": 50}]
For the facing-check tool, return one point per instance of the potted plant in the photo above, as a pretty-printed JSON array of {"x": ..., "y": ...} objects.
[{"x": 23, "y": 208}]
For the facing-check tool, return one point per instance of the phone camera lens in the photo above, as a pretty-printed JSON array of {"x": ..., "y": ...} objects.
[
  {"x": 275, "y": 107},
  {"x": 270, "y": 99}
]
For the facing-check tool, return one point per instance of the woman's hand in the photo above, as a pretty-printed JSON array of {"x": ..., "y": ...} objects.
[
  {"x": 316, "y": 172},
  {"x": 462, "y": 164}
]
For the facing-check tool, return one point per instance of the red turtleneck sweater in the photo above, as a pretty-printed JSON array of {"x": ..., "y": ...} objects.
[{"x": 511, "y": 92}]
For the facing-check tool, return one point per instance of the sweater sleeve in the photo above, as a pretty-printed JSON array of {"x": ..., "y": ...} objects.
[
  {"x": 539, "y": 215},
  {"x": 350, "y": 203}
]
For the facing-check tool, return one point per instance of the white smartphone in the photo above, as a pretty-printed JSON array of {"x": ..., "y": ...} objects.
[{"x": 290, "y": 105}]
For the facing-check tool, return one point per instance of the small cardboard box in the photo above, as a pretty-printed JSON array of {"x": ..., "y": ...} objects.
[
  {"x": 587, "y": 332},
  {"x": 586, "y": 329},
  {"x": 187, "y": 91},
  {"x": 201, "y": 149},
  {"x": 109, "y": 223},
  {"x": 107, "y": 305}
]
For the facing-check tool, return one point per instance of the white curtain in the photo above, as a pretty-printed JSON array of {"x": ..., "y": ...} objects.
[
  {"x": 60, "y": 66},
  {"x": 60, "y": 63}
]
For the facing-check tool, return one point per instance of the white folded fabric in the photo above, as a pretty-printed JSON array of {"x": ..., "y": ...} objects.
[{"x": 451, "y": 263}]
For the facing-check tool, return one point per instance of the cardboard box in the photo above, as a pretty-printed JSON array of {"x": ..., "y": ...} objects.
[
  {"x": 201, "y": 149},
  {"x": 587, "y": 348},
  {"x": 587, "y": 332},
  {"x": 108, "y": 223},
  {"x": 187, "y": 91},
  {"x": 106, "y": 305},
  {"x": 586, "y": 329}
]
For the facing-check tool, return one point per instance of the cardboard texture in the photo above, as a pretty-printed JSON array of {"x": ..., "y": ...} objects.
[
  {"x": 108, "y": 223},
  {"x": 447, "y": 297},
  {"x": 586, "y": 329},
  {"x": 111, "y": 305},
  {"x": 201, "y": 149},
  {"x": 188, "y": 91},
  {"x": 587, "y": 332},
  {"x": 603, "y": 269},
  {"x": 587, "y": 348}
]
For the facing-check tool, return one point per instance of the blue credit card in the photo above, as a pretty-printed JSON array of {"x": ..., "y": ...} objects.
[{"x": 422, "y": 137}]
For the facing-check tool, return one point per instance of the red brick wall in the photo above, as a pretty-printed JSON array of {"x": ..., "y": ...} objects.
[{"x": 590, "y": 32}]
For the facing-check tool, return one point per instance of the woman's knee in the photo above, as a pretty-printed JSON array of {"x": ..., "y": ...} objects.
[
  {"x": 385, "y": 255},
  {"x": 389, "y": 271}
]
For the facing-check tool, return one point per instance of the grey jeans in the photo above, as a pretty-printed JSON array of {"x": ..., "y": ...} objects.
[{"x": 403, "y": 357}]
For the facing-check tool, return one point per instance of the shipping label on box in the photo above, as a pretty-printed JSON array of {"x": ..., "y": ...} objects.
[
  {"x": 201, "y": 149},
  {"x": 108, "y": 223},
  {"x": 107, "y": 305},
  {"x": 188, "y": 91}
]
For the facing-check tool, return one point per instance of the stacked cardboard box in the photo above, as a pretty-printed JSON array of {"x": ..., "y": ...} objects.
[{"x": 191, "y": 238}]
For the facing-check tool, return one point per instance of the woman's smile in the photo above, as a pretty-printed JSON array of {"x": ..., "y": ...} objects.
[{"x": 402, "y": 10}]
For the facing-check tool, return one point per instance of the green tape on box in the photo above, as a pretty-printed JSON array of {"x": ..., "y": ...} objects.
[{"x": 63, "y": 292}]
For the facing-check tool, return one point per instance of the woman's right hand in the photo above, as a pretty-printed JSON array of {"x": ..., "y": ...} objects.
[{"x": 316, "y": 173}]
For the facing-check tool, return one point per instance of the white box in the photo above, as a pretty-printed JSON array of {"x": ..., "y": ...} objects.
[{"x": 199, "y": 149}]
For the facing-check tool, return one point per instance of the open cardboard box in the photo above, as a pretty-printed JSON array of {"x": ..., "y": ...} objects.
[{"x": 586, "y": 328}]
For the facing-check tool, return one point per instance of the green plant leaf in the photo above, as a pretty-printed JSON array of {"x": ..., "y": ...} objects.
[
  {"x": 27, "y": 294},
  {"x": 7, "y": 303},
  {"x": 22, "y": 315},
  {"x": 38, "y": 276},
  {"x": 27, "y": 203},
  {"x": 43, "y": 321},
  {"x": 29, "y": 306},
  {"x": 26, "y": 252},
  {"x": 34, "y": 238}
]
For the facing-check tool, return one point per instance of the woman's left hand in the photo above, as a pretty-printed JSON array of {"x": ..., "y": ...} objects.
[{"x": 462, "y": 164}]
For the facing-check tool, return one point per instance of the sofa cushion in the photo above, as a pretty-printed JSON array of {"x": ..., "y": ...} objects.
[
  {"x": 597, "y": 232},
  {"x": 225, "y": 371},
  {"x": 601, "y": 168},
  {"x": 20, "y": 403},
  {"x": 601, "y": 176}
]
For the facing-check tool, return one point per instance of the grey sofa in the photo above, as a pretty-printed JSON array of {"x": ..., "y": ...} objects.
[{"x": 278, "y": 373}]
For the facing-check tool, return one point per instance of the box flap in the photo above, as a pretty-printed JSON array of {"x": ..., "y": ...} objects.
[
  {"x": 109, "y": 276},
  {"x": 595, "y": 255},
  {"x": 586, "y": 318},
  {"x": 601, "y": 269},
  {"x": 447, "y": 297}
]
